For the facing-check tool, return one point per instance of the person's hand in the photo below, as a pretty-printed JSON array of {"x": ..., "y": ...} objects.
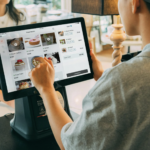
[
  {"x": 43, "y": 75},
  {"x": 96, "y": 64}
]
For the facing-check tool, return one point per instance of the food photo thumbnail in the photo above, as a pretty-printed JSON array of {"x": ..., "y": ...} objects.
[
  {"x": 32, "y": 42},
  {"x": 19, "y": 65},
  {"x": 54, "y": 57},
  {"x": 64, "y": 50},
  {"x": 23, "y": 84},
  {"x": 15, "y": 44},
  {"x": 33, "y": 62},
  {"x": 48, "y": 39},
  {"x": 63, "y": 41},
  {"x": 61, "y": 33}
]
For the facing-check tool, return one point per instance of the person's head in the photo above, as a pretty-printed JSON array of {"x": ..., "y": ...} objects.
[
  {"x": 14, "y": 14},
  {"x": 133, "y": 14}
]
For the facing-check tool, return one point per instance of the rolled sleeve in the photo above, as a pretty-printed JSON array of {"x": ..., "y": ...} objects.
[{"x": 66, "y": 143}]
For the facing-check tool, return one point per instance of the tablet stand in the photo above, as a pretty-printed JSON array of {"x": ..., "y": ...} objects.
[{"x": 30, "y": 120}]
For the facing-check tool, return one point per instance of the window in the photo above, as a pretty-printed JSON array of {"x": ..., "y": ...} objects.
[
  {"x": 24, "y": 2},
  {"x": 56, "y": 4}
]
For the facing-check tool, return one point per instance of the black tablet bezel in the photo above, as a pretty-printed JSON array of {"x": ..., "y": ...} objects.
[{"x": 32, "y": 91}]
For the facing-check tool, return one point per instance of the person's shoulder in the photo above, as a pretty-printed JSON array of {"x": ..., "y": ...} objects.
[
  {"x": 126, "y": 74},
  {"x": 132, "y": 70},
  {"x": 129, "y": 71}
]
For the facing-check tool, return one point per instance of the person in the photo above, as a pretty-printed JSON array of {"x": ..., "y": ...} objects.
[
  {"x": 10, "y": 16},
  {"x": 116, "y": 111}
]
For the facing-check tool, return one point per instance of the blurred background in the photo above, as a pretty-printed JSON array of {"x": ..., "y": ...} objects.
[
  {"x": 98, "y": 30},
  {"x": 98, "y": 27}
]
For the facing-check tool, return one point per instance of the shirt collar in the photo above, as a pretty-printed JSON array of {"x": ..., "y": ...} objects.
[
  {"x": 146, "y": 48},
  {"x": 145, "y": 52}
]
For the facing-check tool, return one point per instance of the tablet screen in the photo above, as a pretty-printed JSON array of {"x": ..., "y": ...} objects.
[{"x": 63, "y": 44}]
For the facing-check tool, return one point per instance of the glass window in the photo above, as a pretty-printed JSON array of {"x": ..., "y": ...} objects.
[
  {"x": 56, "y": 4},
  {"x": 105, "y": 21},
  {"x": 24, "y": 2}
]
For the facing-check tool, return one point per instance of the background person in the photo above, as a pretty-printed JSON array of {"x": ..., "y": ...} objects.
[{"x": 10, "y": 16}]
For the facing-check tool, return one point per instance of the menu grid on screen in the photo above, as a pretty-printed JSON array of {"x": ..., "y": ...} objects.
[{"x": 63, "y": 44}]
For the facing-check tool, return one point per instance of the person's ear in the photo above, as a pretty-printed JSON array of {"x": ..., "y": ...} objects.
[{"x": 135, "y": 6}]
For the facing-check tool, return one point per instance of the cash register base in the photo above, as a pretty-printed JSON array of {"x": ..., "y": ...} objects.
[{"x": 30, "y": 119}]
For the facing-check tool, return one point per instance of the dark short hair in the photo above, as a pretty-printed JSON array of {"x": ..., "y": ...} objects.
[{"x": 148, "y": 5}]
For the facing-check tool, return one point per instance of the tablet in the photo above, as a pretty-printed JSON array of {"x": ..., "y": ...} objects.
[{"x": 64, "y": 42}]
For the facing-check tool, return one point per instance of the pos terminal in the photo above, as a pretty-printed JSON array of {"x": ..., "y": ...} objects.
[{"x": 65, "y": 43}]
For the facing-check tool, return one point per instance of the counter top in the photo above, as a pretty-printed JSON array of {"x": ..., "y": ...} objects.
[{"x": 10, "y": 140}]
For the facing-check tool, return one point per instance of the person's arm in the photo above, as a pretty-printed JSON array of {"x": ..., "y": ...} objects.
[
  {"x": 56, "y": 114},
  {"x": 43, "y": 79},
  {"x": 10, "y": 103}
]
